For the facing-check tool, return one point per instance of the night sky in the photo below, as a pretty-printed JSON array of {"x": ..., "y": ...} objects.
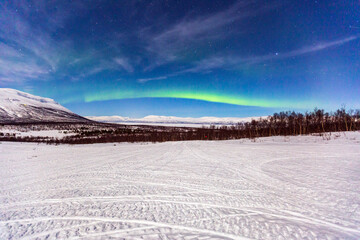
[{"x": 183, "y": 58}]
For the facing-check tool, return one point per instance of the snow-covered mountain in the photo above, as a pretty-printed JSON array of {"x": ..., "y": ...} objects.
[
  {"x": 21, "y": 107},
  {"x": 172, "y": 121}
]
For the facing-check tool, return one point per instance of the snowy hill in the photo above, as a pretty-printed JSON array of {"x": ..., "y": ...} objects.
[
  {"x": 172, "y": 121},
  {"x": 21, "y": 107}
]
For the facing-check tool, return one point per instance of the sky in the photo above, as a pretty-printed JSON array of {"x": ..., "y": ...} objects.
[{"x": 184, "y": 58}]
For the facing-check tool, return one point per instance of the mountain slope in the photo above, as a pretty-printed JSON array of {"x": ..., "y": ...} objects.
[{"x": 21, "y": 107}]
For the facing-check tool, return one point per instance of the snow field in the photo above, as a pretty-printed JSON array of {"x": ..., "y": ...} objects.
[
  {"x": 301, "y": 187},
  {"x": 170, "y": 121}
]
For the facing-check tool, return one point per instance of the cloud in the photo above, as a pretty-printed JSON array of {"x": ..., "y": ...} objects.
[
  {"x": 144, "y": 80},
  {"x": 216, "y": 62},
  {"x": 15, "y": 66},
  {"x": 9, "y": 51},
  {"x": 30, "y": 51},
  {"x": 34, "y": 39},
  {"x": 191, "y": 28},
  {"x": 28, "y": 38},
  {"x": 301, "y": 51},
  {"x": 191, "y": 31},
  {"x": 206, "y": 65},
  {"x": 17, "y": 71},
  {"x": 124, "y": 63},
  {"x": 31, "y": 48},
  {"x": 93, "y": 70}
]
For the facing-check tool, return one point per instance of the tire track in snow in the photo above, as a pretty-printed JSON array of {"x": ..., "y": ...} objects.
[
  {"x": 297, "y": 217},
  {"x": 144, "y": 222},
  {"x": 167, "y": 183}
]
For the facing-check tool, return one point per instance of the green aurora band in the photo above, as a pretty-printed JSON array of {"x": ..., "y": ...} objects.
[{"x": 198, "y": 95}]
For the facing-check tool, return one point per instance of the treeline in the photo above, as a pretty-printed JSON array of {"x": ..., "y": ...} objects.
[
  {"x": 292, "y": 123},
  {"x": 279, "y": 124}
]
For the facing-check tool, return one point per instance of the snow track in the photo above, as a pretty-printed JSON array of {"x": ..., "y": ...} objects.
[{"x": 275, "y": 188}]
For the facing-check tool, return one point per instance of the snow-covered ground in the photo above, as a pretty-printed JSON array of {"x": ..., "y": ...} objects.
[
  {"x": 43, "y": 133},
  {"x": 273, "y": 188},
  {"x": 172, "y": 121}
]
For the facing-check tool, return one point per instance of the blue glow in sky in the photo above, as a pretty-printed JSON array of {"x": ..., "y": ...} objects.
[{"x": 183, "y": 58}]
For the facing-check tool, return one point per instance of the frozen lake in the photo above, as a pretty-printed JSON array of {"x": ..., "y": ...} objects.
[{"x": 275, "y": 188}]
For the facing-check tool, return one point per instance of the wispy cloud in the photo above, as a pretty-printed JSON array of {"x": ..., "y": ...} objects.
[
  {"x": 208, "y": 64},
  {"x": 301, "y": 51},
  {"x": 16, "y": 67},
  {"x": 189, "y": 31},
  {"x": 144, "y": 80},
  {"x": 37, "y": 50},
  {"x": 34, "y": 52},
  {"x": 124, "y": 63},
  {"x": 29, "y": 46},
  {"x": 93, "y": 70},
  {"x": 216, "y": 62},
  {"x": 16, "y": 71},
  {"x": 190, "y": 28},
  {"x": 212, "y": 63},
  {"x": 9, "y": 51},
  {"x": 35, "y": 39}
]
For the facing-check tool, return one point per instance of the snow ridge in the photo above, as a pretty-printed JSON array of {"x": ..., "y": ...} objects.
[{"x": 171, "y": 120}]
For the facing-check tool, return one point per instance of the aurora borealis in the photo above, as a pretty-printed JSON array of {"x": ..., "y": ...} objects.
[{"x": 185, "y": 58}]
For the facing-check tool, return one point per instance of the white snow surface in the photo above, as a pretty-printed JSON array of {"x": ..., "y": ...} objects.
[
  {"x": 13, "y": 101},
  {"x": 300, "y": 187},
  {"x": 172, "y": 121},
  {"x": 59, "y": 134}
]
